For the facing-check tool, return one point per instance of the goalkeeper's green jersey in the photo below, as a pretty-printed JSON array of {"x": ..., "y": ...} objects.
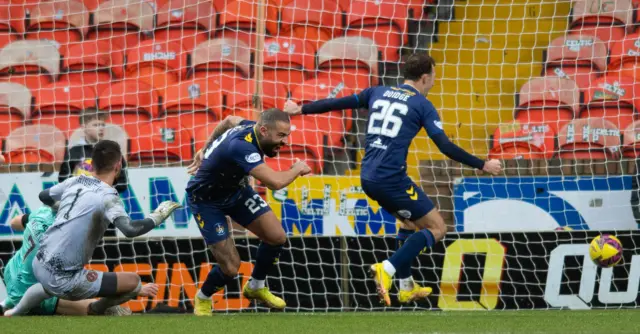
[{"x": 18, "y": 274}]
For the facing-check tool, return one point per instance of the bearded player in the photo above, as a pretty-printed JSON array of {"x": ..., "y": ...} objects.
[
  {"x": 220, "y": 188},
  {"x": 396, "y": 115}
]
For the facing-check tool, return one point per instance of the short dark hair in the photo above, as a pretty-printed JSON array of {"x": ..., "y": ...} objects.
[
  {"x": 91, "y": 114},
  {"x": 269, "y": 117},
  {"x": 106, "y": 154},
  {"x": 417, "y": 65}
]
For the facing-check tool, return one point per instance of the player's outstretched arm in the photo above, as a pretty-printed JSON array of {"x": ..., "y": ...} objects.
[
  {"x": 323, "y": 106},
  {"x": 134, "y": 228},
  {"x": 454, "y": 152},
  {"x": 275, "y": 180}
]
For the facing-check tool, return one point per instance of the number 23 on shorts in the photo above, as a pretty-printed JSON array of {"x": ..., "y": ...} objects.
[{"x": 255, "y": 203}]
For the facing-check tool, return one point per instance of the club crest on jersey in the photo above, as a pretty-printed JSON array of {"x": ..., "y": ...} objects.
[
  {"x": 219, "y": 229},
  {"x": 253, "y": 157},
  {"x": 92, "y": 276}
]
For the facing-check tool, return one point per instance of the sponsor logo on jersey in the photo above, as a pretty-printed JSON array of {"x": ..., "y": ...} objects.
[
  {"x": 378, "y": 144},
  {"x": 253, "y": 157}
]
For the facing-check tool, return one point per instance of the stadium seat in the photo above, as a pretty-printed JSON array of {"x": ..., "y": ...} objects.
[
  {"x": 131, "y": 104},
  {"x": 11, "y": 17},
  {"x": 579, "y": 58},
  {"x": 288, "y": 61},
  {"x": 111, "y": 132},
  {"x": 241, "y": 96},
  {"x": 384, "y": 22},
  {"x": 589, "y": 138},
  {"x": 315, "y": 22},
  {"x": 30, "y": 63},
  {"x": 122, "y": 22},
  {"x": 607, "y": 20},
  {"x": 7, "y": 37},
  {"x": 35, "y": 144},
  {"x": 193, "y": 103},
  {"x": 187, "y": 22},
  {"x": 161, "y": 142},
  {"x": 613, "y": 98},
  {"x": 202, "y": 134},
  {"x": 60, "y": 21},
  {"x": 15, "y": 107},
  {"x": 92, "y": 5},
  {"x": 352, "y": 60},
  {"x": 624, "y": 57},
  {"x": 631, "y": 141},
  {"x": 223, "y": 59},
  {"x": 60, "y": 105},
  {"x": 158, "y": 63},
  {"x": 305, "y": 143},
  {"x": 523, "y": 141},
  {"x": 549, "y": 100},
  {"x": 91, "y": 63},
  {"x": 238, "y": 21}
]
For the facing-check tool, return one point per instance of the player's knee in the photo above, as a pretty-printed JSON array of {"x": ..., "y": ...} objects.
[
  {"x": 230, "y": 266},
  {"x": 438, "y": 228},
  {"x": 278, "y": 240}
]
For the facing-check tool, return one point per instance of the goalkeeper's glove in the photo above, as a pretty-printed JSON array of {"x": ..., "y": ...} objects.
[{"x": 163, "y": 211}]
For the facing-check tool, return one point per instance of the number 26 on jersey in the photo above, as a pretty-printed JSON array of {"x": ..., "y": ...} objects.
[{"x": 383, "y": 119}]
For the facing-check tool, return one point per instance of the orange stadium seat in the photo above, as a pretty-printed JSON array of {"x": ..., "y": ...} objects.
[
  {"x": 589, "y": 138},
  {"x": 111, "y": 132},
  {"x": 523, "y": 141},
  {"x": 158, "y": 63},
  {"x": 91, "y": 63},
  {"x": 202, "y": 134},
  {"x": 315, "y": 22},
  {"x": 241, "y": 97},
  {"x": 60, "y": 104},
  {"x": 187, "y": 22},
  {"x": 631, "y": 141},
  {"x": 193, "y": 103},
  {"x": 304, "y": 144},
  {"x": 385, "y": 22},
  {"x": 7, "y": 37},
  {"x": 11, "y": 17},
  {"x": 60, "y": 21},
  {"x": 614, "y": 98},
  {"x": 607, "y": 20},
  {"x": 131, "y": 104},
  {"x": 352, "y": 60},
  {"x": 35, "y": 144},
  {"x": 549, "y": 100},
  {"x": 30, "y": 63},
  {"x": 576, "y": 57},
  {"x": 223, "y": 59},
  {"x": 161, "y": 142},
  {"x": 122, "y": 22},
  {"x": 15, "y": 106},
  {"x": 92, "y": 5},
  {"x": 288, "y": 61},
  {"x": 239, "y": 21},
  {"x": 625, "y": 57}
]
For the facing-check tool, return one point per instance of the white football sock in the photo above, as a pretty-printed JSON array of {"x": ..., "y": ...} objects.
[
  {"x": 201, "y": 295},
  {"x": 406, "y": 283},
  {"x": 32, "y": 298},
  {"x": 255, "y": 284},
  {"x": 388, "y": 267}
]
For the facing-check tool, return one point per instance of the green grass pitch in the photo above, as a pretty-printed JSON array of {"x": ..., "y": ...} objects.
[{"x": 611, "y": 321}]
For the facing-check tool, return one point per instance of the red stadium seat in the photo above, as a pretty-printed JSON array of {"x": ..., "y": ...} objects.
[
  {"x": 613, "y": 98},
  {"x": 241, "y": 97},
  {"x": 288, "y": 61},
  {"x": 223, "y": 59},
  {"x": 589, "y": 138},
  {"x": 631, "y": 141},
  {"x": 352, "y": 60},
  {"x": 187, "y": 22},
  {"x": 159, "y": 64},
  {"x": 15, "y": 107},
  {"x": 550, "y": 100},
  {"x": 193, "y": 103},
  {"x": 314, "y": 22},
  {"x": 625, "y": 57},
  {"x": 579, "y": 58},
  {"x": 131, "y": 104},
  {"x": 239, "y": 21},
  {"x": 111, "y": 132},
  {"x": 161, "y": 142},
  {"x": 12, "y": 16},
  {"x": 30, "y": 63},
  {"x": 607, "y": 20},
  {"x": 91, "y": 63},
  {"x": 60, "y": 21},
  {"x": 122, "y": 22},
  {"x": 523, "y": 141},
  {"x": 35, "y": 144},
  {"x": 384, "y": 22},
  {"x": 61, "y": 104}
]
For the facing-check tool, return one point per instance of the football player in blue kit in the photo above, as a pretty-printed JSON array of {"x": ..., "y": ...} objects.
[
  {"x": 220, "y": 188},
  {"x": 396, "y": 115}
]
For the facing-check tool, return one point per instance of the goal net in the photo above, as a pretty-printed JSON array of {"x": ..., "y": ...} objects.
[{"x": 549, "y": 87}]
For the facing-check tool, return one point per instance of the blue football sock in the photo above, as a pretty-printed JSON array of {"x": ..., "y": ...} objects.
[
  {"x": 216, "y": 280},
  {"x": 401, "y": 237},
  {"x": 266, "y": 256},
  {"x": 411, "y": 249}
]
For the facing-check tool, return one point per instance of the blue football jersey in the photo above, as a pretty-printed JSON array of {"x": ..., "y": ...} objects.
[
  {"x": 226, "y": 165},
  {"x": 396, "y": 115}
]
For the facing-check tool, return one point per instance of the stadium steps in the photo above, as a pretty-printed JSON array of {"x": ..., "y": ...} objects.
[{"x": 504, "y": 10}]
